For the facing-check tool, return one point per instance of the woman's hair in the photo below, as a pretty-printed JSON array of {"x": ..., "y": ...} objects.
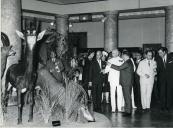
[
  {"x": 125, "y": 52},
  {"x": 90, "y": 51},
  {"x": 77, "y": 70}
]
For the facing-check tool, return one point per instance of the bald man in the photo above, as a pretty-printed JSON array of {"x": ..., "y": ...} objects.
[{"x": 113, "y": 79}]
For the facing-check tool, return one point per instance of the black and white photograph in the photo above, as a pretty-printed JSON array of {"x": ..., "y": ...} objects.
[{"x": 86, "y": 63}]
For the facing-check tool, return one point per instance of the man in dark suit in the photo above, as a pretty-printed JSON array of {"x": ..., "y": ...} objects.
[
  {"x": 96, "y": 80},
  {"x": 136, "y": 86},
  {"x": 165, "y": 81},
  {"x": 86, "y": 69},
  {"x": 126, "y": 80}
]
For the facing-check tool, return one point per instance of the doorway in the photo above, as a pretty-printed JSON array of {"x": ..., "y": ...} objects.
[{"x": 77, "y": 42}]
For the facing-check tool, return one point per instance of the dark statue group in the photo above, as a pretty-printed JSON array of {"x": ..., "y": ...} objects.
[{"x": 34, "y": 69}]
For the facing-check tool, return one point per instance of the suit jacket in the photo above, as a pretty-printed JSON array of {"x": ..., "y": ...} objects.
[
  {"x": 144, "y": 68},
  {"x": 170, "y": 70},
  {"x": 95, "y": 75},
  {"x": 86, "y": 69},
  {"x": 126, "y": 73},
  {"x": 165, "y": 72}
]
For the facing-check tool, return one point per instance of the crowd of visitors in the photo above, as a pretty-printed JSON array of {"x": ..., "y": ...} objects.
[{"x": 124, "y": 80}]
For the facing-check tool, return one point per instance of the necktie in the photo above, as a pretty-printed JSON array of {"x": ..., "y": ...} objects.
[
  {"x": 149, "y": 63},
  {"x": 99, "y": 63},
  {"x": 164, "y": 62}
]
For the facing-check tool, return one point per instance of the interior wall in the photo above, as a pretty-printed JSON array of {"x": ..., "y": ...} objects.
[
  {"x": 46, "y": 25},
  {"x": 155, "y": 3},
  {"x": 95, "y": 33},
  {"x": 92, "y": 6},
  {"x": 136, "y": 32},
  {"x": 132, "y": 32}
]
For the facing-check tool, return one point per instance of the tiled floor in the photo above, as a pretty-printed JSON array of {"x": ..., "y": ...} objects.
[{"x": 155, "y": 118}]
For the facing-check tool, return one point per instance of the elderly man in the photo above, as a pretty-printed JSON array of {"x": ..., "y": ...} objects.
[
  {"x": 137, "y": 91},
  {"x": 113, "y": 79},
  {"x": 126, "y": 80}
]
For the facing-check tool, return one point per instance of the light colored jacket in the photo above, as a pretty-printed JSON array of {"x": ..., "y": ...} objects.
[
  {"x": 144, "y": 68},
  {"x": 114, "y": 75}
]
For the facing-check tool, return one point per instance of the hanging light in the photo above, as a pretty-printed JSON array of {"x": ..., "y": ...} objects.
[
  {"x": 70, "y": 25},
  {"x": 85, "y": 17},
  {"x": 52, "y": 23},
  {"x": 103, "y": 19}
]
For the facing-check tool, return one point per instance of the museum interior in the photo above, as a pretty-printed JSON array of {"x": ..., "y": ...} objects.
[{"x": 47, "y": 78}]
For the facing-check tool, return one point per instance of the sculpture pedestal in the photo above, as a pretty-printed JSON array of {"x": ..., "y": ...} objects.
[
  {"x": 101, "y": 121},
  {"x": 11, "y": 120}
]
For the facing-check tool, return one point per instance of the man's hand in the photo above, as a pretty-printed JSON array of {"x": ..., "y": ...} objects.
[
  {"x": 147, "y": 76},
  {"x": 90, "y": 84},
  {"x": 103, "y": 71},
  {"x": 51, "y": 70},
  {"x": 108, "y": 63},
  {"x": 103, "y": 84}
]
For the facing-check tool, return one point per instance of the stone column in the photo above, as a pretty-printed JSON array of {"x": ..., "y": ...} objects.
[
  {"x": 62, "y": 24},
  {"x": 111, "y": 30},
  {"x": 62, "y": 27},
  {"x": 10, "y": 22},
  {"x": 169, "y": 28}
]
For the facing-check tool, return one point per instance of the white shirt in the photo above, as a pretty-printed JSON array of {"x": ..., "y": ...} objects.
[
  {"x": 165, "y": 58},
  {"x": 99, "y": 61},
  {"x": 114, "y": 75},
  {"x": 134, "y": 67}
]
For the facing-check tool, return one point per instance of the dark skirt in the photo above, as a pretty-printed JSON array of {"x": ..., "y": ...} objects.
[{"x": 106, "y": 87}]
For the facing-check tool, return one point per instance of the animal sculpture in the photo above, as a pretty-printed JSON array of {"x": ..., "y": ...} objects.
[
  {"x": 22, "y": 76},
  {"x": 6, "y": 51}
]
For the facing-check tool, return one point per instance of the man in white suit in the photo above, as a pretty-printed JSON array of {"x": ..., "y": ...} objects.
[
  {"x": 113, "y": 79},
  {"x": 147, "y": 71}
]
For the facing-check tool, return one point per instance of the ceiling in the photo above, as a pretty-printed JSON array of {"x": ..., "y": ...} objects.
[{"x": 65, "y": 2}]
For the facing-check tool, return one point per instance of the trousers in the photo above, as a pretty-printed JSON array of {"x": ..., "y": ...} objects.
[
  {"x": 146, "y": 91},
  {"x": 120, "y": 104}
]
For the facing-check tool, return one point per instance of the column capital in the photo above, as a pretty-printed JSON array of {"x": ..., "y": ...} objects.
[
  {"x": 169, "y": 7},
  {"x": 62, "y": 24},
  {"x": 65, "y": 16},
  {"x": 169, "y": 28},
  {"x": 108, "y": 13}
]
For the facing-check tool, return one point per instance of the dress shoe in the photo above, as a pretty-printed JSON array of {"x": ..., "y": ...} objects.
[
  {"x": 167, "y": 110},
  {"x": 113, "y": 111},
  {"x": 119, "y": 111},
  {"x": 127, "y": 114},
  {"x": 164, "y": 110},
  {"x": 92, "y": 120},
  {"x": 139, "y": 110},
  {"x": 147, "y": 110},
  {"x": 144, "y": 110}
]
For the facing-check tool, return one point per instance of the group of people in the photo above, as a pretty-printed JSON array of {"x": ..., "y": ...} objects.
[{"x": 134, "y": 79}]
